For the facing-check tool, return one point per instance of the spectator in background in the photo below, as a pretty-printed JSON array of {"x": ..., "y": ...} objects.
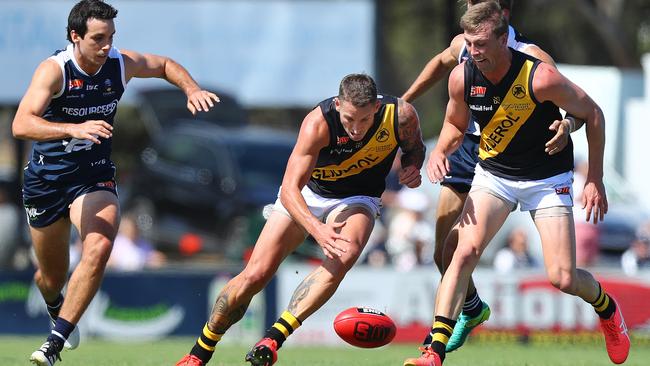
[
  {"x": 515, "y": 254},
  {"x": 130, "y": 251},
  {"x": 409, "y": 231},
  {"x": 587, "y": 234},
  {"x": 9, "y": 231},
  {"x": 638, "y": 256}
]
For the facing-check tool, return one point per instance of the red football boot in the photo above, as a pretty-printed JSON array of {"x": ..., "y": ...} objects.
[
  {"x": 427, "y": 358},
  {"x": 617, "y": 339},
  {"x": 190, "y": 360},
  {"x": 264, "y": 353}
]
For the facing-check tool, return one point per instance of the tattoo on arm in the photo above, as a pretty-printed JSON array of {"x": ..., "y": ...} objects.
[
  {"x": 223, "y": 317},
  {"x": 302, "y": 291},
  {"x": 410, "y": 135}
]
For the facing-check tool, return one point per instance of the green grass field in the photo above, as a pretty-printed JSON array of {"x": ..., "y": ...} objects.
[{"x": 15, "y": 351}]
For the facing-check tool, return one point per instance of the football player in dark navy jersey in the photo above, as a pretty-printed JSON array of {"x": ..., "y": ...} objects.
[
  {"x": 68, "y": 111},
  {"x": 331, "y": 190},
  {"x": 522, "y": 97},
  {"x": 457, "y": 182}
]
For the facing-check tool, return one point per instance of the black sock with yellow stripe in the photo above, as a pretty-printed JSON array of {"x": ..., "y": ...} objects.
[
  {"x": 283, "y": 327},
  {"x": 442, "y": 329},
  {"x": 604, "y": 305},
  {"x": 204, "y": 347}
]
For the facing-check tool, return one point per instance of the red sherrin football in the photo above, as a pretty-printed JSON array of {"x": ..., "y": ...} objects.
[{"x": 365, "y": 327}]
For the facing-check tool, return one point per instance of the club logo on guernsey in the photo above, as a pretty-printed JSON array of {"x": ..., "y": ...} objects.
[
  {"x": 519, "y": 91},
  {"x": 105, "y": 109},
  {"x": 382, "y": 135}
]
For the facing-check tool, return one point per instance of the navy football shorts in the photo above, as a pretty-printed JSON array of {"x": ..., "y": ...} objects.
[
  {"x": 462, "y": 163},
  {"x": 45, "y": 201}
]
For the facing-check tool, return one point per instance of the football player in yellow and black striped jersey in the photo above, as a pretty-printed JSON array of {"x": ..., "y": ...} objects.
[
  {"x": 515, "y": 98},
  {"x": 331, "y": 190},
  {"x": 457, "y": 182}
]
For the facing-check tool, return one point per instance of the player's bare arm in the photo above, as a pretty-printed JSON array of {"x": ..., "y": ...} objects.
[
  {"x": 148, "y": 66},
  {"x": 453, "y": 127},
  {"x": 411, "y": 144},
  {"x": 437, "y": 68},
  {"x": 28, "y": 123},
  {"x": 563, "y": 127},
  {"x": 549, "y": 84},
  {"x": 313, "y": 136}
]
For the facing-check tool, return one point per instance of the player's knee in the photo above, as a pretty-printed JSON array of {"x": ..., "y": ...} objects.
[
  {"x": 51, "y": 281},
  {"x": 340, "y": 266},
  {"x": 254, "y": 279},
  {"x": 563, "y": 281},
  {"x": 467, "y": 256},
  {"x": 349, "y": 258},
  {"x": 98, "y": 250}
]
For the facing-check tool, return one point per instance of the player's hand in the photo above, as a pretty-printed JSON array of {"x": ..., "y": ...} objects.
[
  {"x": 594, "y": 200},
  {"x": 90, "y": 130},
  {"x": 201, "y": 101},
  {"x": 437, "y": 166},
  {"x": 410, "y": 176},
  {"x": 330, "y": 240},
  {"x": 561, "y": 138}
]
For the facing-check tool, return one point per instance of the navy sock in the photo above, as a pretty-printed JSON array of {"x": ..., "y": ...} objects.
[
  {"x": 54, "y": 307},
  {"x": 62, "y": 329}
]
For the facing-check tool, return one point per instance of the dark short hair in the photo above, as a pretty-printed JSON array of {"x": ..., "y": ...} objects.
[
  {"x": 358, "y": 89},
  {"x": 88, "y": 9},
  {"x": 478, "y": 15},
  {"x": 504, "y": 4}
]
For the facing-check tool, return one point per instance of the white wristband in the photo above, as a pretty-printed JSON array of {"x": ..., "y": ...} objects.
[{"x": 572, "y": 123}]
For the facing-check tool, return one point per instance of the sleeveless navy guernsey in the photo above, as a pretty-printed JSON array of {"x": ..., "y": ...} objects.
[
  {"x": 356, "y": 168},
  {"x": 82, "y": 97}
]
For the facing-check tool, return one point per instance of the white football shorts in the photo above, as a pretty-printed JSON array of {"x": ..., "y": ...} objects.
[
  {"x": 321, "y": 207},
  {"x": 555, "y": 191}
]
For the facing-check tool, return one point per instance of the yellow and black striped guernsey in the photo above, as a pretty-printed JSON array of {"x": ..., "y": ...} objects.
[
  {"x": 514, "y": 125},
  {"x": 356, "y": 168}
]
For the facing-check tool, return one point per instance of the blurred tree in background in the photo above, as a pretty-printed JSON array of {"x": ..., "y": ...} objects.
[
  {"x": 582, "y": 32},
  {"x": 409, "y": 33}
]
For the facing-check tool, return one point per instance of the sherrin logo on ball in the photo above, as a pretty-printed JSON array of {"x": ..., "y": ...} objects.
[{"x": 364, "y": 327}]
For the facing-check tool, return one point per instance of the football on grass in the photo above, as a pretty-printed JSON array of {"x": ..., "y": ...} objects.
[{"x": 364, "y": 327}]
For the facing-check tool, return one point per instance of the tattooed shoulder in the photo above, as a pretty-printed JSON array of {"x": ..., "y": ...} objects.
[{"x": 408, "y": 123}]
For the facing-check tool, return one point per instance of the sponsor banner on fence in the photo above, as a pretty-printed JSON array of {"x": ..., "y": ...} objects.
[
  {"x": 521, "y": 302},
  {"x": 134, "y": 305}
]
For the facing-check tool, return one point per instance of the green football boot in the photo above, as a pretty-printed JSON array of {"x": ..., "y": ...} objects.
[{"x": 464, "y": 326}]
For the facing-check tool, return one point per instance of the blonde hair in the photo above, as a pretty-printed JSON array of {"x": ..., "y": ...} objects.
[{"x": 478, "y": 16}]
